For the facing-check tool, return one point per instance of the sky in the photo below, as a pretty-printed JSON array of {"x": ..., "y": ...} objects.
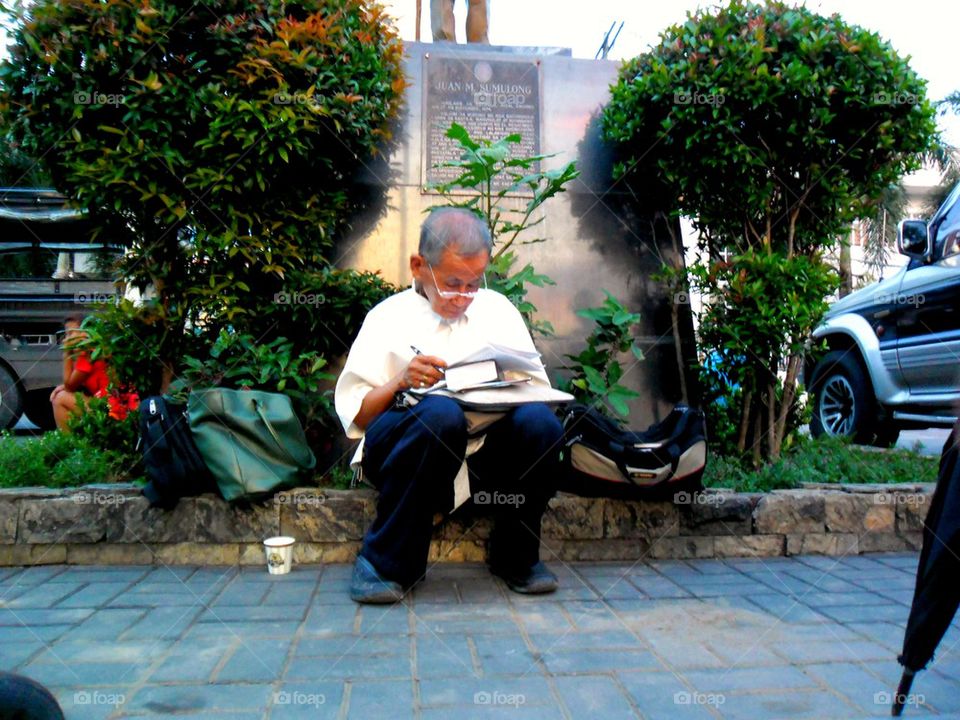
[{"x": 923, "y": 29}]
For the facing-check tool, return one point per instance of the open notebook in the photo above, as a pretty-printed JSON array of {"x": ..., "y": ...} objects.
[{"x": 495, "y": 377}]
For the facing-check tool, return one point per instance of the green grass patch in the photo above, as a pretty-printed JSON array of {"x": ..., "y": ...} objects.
[
  {"x": 60, "y": 460},
  {"x": 824, "y": 460},
  {"x": 57, "y": 460}
]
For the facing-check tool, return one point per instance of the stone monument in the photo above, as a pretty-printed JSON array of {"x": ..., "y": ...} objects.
[{"x": 599, "y": 237}]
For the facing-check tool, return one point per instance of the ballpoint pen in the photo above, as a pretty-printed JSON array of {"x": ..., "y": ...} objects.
[{"x": 420, "y": 352}]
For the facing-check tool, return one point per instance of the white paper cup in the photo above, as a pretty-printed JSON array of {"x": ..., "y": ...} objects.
[{"x": 279, "y": 554}]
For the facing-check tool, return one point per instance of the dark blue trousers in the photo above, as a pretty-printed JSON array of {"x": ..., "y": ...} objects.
[{"x": 412, "y": 456}]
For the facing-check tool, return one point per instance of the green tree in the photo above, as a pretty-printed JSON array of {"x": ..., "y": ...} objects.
[
  {"x": 773, "y": 127},
  {"x": 216, "y": 139}
]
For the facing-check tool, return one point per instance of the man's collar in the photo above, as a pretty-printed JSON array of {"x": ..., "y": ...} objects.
[{"x": 425, "y": 307}]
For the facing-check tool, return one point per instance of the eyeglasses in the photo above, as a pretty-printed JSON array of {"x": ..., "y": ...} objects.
[{"x": 450, "y": 294}]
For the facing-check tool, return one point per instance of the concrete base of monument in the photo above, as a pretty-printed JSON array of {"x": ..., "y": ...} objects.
[{"x": 113, "y": 524}]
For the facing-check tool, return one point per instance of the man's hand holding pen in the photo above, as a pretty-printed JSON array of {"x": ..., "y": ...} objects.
[{"x": 423, "y": 370}]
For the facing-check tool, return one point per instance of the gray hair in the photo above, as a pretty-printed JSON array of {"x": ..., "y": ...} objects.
[{"x": 453, "y": 227}]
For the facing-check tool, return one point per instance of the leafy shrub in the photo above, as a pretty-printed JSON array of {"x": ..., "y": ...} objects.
[
  {"x": 596, "y": 371},
  {"x": 240, "y": 361},
  {"x": 108, "y": 431},
  {"x": 58, "y": 459},
  {"x": 215, "y": 140},
  {"x": 132, "y": 339},
  {"x": 321, "y": 310}
]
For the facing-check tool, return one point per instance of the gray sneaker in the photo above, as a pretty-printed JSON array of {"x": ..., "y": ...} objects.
[
  {"x": 535, "y": 580},
  {"x": 368, "y": 586}
]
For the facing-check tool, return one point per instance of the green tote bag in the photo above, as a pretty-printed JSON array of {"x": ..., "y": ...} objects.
[{"x": 251, "y": 440}]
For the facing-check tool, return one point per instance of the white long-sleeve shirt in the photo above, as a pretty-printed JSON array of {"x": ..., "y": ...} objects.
[{"x": 391, "y": 330}]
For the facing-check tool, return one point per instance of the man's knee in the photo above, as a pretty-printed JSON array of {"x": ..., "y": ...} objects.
[
  {"x": 441, "y": 417},
  {"x": 537, "y": 424}
]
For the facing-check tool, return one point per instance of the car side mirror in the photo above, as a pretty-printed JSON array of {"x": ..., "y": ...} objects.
[{"x": 913, "y": 239}]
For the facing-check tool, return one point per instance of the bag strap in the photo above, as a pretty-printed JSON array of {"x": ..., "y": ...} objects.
[{"x": 283, "y": 448}]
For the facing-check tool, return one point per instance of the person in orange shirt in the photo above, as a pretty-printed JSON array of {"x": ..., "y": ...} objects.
[{"x": 80, "y": 375}]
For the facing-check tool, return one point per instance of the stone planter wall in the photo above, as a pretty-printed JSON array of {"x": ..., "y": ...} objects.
[{"x": 113, "y": 524}]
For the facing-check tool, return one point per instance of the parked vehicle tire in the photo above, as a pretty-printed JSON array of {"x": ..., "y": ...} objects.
[
  {"x": 844, "y": 404},
  {"x": 887, "y": 435},
  {"x": 39, "y": 410},
  {"x": 11, "y": 399}
]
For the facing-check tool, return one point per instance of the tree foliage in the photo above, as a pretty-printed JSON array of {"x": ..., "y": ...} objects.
[
  {"x": 216, "y": 139},
  {"x": 772, "y": 127}
]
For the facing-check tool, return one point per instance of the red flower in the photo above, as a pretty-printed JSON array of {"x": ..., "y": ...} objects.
[{"x": 121, "y": 403}]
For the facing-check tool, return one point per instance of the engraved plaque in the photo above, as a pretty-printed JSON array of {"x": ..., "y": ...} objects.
[{"x": 491, "y": 98}]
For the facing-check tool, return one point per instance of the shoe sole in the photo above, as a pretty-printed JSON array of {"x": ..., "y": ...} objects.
[
  {"x": 383, "y": 598},
  {"x": 541, "y": 589}
]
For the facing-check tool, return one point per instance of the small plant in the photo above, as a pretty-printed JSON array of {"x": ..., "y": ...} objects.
[
  {"x": 596, "y": 370},
  {"x": 240, "y": 361},
  {"x": 339, "y": 476},
  {"x": 482, "y": 166},
  {"x": 721, "y": 400},
  {"x": 109, "y": 422}
]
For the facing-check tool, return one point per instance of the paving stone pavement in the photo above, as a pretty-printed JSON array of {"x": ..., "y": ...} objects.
[{"x": 802, "y": 637}]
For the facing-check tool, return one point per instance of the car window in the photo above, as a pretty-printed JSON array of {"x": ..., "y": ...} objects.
[
  {"x": 948, "y": 232},
  {"x": 28, "y": 264}
]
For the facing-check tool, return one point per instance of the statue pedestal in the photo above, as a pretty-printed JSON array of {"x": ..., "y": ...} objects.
[{"x": 598, "y": 238}]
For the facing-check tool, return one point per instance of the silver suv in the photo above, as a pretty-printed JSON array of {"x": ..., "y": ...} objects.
[
  {"x": 894, "y": 346},
  {"x": 36, "y": 293}
]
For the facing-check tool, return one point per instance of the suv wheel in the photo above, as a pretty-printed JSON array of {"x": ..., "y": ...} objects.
[
  {"x": 38, "y": 409},
  {"x": 11, "y": 399},
  {"x": 843, "y": 402}
]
